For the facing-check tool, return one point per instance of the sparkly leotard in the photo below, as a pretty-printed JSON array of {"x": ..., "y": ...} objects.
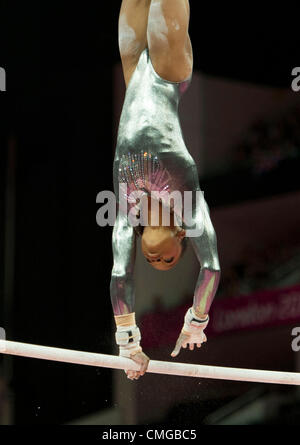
[{"x": 151, "y": 156}]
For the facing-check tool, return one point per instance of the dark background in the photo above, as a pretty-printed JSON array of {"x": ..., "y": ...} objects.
[{"x": 58, "y": 112}]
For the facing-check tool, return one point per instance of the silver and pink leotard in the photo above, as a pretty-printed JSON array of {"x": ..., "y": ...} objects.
[{"x": 151, "y": 156}]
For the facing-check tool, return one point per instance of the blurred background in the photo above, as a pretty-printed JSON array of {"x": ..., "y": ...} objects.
[{"x": 58, "y": 125}]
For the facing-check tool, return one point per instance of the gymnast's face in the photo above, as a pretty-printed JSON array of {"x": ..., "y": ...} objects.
[{"x": 162, "y": 246}]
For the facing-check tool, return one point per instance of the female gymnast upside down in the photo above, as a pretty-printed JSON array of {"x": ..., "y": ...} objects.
[{"x": 151, "y": 155}]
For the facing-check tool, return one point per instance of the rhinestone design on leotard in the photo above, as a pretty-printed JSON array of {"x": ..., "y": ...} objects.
[{"x": 143, "y": 171}]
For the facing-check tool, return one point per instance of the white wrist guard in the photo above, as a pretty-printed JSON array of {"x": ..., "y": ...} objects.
[
  {"x": 192, "y": 323},
  {"x": 128, "y": 338}
]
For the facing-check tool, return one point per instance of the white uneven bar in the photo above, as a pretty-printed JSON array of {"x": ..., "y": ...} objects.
[{"x": 158, "y": 367}]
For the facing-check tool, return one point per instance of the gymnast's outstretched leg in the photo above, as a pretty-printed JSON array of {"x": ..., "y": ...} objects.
[{"x": 133, "y": 22}]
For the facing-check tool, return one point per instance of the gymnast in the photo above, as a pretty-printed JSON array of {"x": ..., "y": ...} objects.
[{"x": 151, "y": 156}]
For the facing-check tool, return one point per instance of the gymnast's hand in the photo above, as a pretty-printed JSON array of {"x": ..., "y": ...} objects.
[
  {"x": 128, "y": 338},
  {"x": 192, "y": 332},
  {"x": 143, "y": 360}
]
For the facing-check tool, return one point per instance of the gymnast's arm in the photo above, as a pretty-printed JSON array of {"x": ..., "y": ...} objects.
[
  {"x": 205, "y": 247},
  {"x": 121, "y": 285},
  {"x": 127, "y": 335}
]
